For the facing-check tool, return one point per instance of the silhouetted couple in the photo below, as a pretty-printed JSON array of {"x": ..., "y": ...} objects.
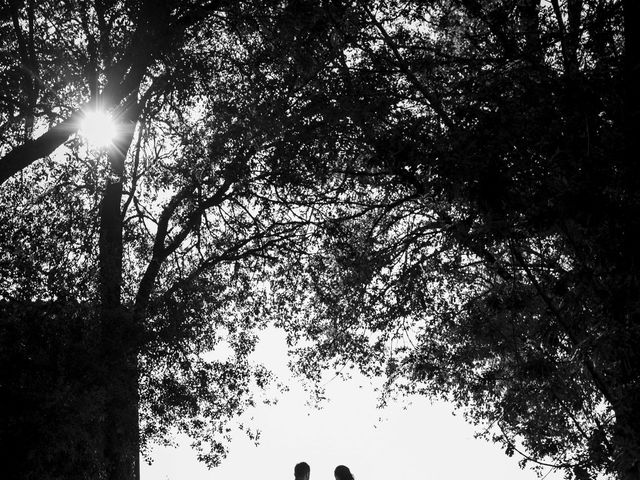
[{"x": 302, "y": 471}]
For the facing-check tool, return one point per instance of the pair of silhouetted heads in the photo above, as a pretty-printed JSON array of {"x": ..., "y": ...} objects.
[{"x": 302, "y": 471}]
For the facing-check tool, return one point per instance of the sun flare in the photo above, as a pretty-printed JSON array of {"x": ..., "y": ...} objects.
[{"x": 98, "y": 129}]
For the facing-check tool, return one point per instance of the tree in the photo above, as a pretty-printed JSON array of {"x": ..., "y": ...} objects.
[
  {"x": 453, "y": 183},
  {"x": 159, "y": 238},
  {"x": 486, "y": 248}
]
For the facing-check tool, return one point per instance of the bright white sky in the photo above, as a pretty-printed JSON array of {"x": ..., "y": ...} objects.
[{"x": 423, "y": 440}]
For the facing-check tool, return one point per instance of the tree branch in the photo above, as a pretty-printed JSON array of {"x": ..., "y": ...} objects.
[{"x": 431, "y": 99}]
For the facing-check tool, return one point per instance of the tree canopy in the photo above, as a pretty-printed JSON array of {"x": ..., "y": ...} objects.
[
  {"x": 485, "y": 251},
  {"x": 159, "y": 238},
  {"x": 444, "y": 192}
]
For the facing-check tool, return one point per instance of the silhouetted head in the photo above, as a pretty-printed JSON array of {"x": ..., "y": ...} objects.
[
  {"x": 302, "y": 471},
  {"x": 342, "y": 473}
]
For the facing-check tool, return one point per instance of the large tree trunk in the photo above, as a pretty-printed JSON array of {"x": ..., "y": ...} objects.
[
  {"x": 628, "y": 413},
  {"x": 119, "y": 338},
  {"x": 627, "y": 438}
]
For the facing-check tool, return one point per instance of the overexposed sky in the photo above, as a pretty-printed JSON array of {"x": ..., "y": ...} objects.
[{"x": 420, "y": 440}]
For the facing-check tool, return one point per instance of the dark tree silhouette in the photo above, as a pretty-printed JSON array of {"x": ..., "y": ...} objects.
[
  {"x": 487, "y": 248},
  {"x": 157, "y": 239},
  {"x": 444, "y": 191}
]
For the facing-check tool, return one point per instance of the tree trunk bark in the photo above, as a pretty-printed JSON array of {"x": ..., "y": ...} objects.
[
  {"x": 627, "y": 434},
  {"x": 119, "y": 338},
  {"x": 627, "y": 440}
]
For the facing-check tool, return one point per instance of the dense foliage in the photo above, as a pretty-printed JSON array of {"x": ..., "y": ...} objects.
[
  {"x": 485, "y": 249},
  {"x": 154, "y": 243},
  {"x": 444, "y": 192}
]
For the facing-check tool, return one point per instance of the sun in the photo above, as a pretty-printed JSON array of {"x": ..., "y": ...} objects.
[{"x": 98, "y": 128}]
